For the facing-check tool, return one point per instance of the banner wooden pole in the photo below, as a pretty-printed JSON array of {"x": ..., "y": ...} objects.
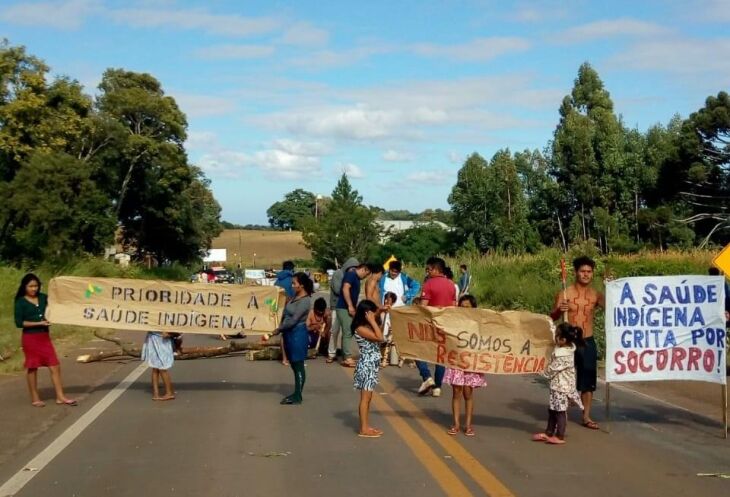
[
  {"x": 608, "y": 407},
  {"x": 563, "y": 277},
  {"x": 724, "y": 411}
]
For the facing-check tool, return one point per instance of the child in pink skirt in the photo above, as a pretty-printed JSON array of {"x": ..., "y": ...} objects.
[{"x": 463, "y": 384}]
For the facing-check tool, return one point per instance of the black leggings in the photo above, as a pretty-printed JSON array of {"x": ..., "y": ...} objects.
[
  {"x": 557, "y": 420},
  {"x": 300, "y": 377}
]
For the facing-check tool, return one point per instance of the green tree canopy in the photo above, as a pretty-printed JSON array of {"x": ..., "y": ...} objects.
[{"x": 346, "y": 229}]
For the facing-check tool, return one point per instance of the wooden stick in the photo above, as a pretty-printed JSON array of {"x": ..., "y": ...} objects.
[
  {"x": 724, "y": 411},
  {"x": 608, "y": 407}
]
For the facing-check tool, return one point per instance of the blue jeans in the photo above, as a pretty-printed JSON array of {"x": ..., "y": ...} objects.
[{"x": 438, "y": 373}]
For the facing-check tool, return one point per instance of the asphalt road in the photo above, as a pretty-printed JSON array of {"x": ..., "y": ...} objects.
[{"x": 226, "y": 435}]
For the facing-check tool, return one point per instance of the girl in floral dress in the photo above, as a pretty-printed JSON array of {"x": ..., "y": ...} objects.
[
  {"x": 463, "y": 384},
  {"x": 561, "y": 373},
  {"x": 369, "y": 336}
]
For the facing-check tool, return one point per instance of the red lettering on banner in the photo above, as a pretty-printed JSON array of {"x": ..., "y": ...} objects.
[
  {"x": 708, "y": 360},
  {"x": 508, "y": 364},
  {"x": 662, "y": 358},
  {"x": 484, "y": 364},
  {"x": 412, "y": 330},
  {"x": 451, "y": 358},
  {"x": 440, "y": 335},
  {"x": 620, "y": 366},
  {"x": 645, "y": 368},
  {"x": 464, "y": 360},
  {"x": 520, "y": 364},
  {"x": 440, "y": 353},
  {"x": 694, "y": 358},
  {"x": 678, "y": 355},
  {"x": 632, "y": 361}
]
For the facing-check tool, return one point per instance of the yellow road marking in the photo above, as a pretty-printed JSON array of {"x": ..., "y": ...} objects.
[
  {"x": 484, "y": 478},
  {"x": 444, "y": 476}
]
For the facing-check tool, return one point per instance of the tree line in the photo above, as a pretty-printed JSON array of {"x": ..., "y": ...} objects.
[
  {"x": 78, "y": 173},
  {"x": 597, "y": 181}
]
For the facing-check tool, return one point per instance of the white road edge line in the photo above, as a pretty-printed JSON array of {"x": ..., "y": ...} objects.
[{"x": 22, "y": 477}]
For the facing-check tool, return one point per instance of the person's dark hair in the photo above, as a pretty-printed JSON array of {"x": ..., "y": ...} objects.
[
  {"x": 437, "y": 263},
  {"x": 288, "y": 266},
  {"x": 320, "y": 305},
  {"x": 305, "y": 281},
  {"x": 463, "y": 266},
  {"x": 571, "y": 334},
  {"x": 713, "y": 271},
  {"x": 24, "y": 282},
  {"x": 396, "y": 266},
  {"x": 584, "y": 260},
  {"x": 391, "y": 296},
  {"x": 375, "y": 268},
  {"x": 449, "y": 273},
  {"x": 363, "y": 308},
  {"x": 472, "y": 300}
]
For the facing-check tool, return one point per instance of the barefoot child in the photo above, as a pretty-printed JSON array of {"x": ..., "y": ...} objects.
[
  {"x": 561, "y": 373},
  {"x": 389, "y": 300},
  {"x": 369, "y": 336},
  {"x": 319, "y": 323},
  {"x": 463, "y": 384},
  {"x": 158, "y": 352}
]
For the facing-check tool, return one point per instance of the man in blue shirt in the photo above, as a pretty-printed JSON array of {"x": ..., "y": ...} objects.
[
  {"x": 284, "y": 278},
  {"x": 346, "y": 305}
]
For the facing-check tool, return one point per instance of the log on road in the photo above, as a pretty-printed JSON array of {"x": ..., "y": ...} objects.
[{"x": 262, "y": 351}]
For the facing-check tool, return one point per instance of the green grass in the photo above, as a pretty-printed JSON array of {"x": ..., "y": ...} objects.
[{"x": 63, "y": 335}]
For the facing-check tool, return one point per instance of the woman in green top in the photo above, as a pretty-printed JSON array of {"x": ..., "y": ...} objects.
[{"x": 30, "y": 315}]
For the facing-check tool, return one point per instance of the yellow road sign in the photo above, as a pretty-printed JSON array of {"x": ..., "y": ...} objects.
[{"x": 722, "y": 260}]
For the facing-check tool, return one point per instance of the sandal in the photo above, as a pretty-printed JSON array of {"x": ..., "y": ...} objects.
[
  {"x": 330, "y": 360},
  {"x": 591, "y": 425},
  {"x": 348, "y": 363},
  {"x": 67, "y": 402},
  {"x": 469, "y": 431},
  {"x": 539, "y": 437},
  {"x": 554, "y": 441},
  {"x": 454, "y": 430},
  {"x": 369, "y": 435},
  {"x": 38, "y": 403}
]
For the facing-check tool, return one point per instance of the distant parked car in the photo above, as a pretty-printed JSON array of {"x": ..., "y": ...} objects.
[{"x": 222, "y": 275}]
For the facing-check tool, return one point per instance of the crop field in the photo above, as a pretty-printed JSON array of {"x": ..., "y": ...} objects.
[{"x": 271, "y": 247}]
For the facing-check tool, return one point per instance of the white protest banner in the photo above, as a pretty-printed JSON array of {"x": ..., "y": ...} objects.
[
  {"x": 479, "y": 340},
  {"x": 666, "y": 328},
  {"x": 129, "y": 304}
]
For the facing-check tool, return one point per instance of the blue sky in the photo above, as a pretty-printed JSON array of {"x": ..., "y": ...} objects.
[{"x": 284, "y": 95}]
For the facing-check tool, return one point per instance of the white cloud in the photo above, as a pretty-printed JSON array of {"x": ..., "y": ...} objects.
[
  {"x": 306, "y": 149},
  {"x": 197, "y": 19},
  {"x": 480, "y": 49},
  {"x": 203, "y": 105},
  {"x": 304, "y": 34},
  {"x": 541, "y": 11},
  {"x": 327, "y": 59},
  {"x": 395, "y": 156},
  {"x": 351, "y": 170},
  {"x": 62, "y": 14},
  {"x": 429, "y": 177},
  {"x": 694, "y": 58},
  {"x": 358, "y": 122},
  {"x": 415, "y": 110},
  {"x": 710, "y": 11},
  {"x": 235, "y": 52},
  {"x": 281, "y": 164},
  {"x": 611, "y": 28},
  {"x": 456, "y": 157},
  {"x": 201, "y": 140},
  {"x": 285, "y": 159}
]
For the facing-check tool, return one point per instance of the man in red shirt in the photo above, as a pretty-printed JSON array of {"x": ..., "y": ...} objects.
[{"x": 438, "y": 291}]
